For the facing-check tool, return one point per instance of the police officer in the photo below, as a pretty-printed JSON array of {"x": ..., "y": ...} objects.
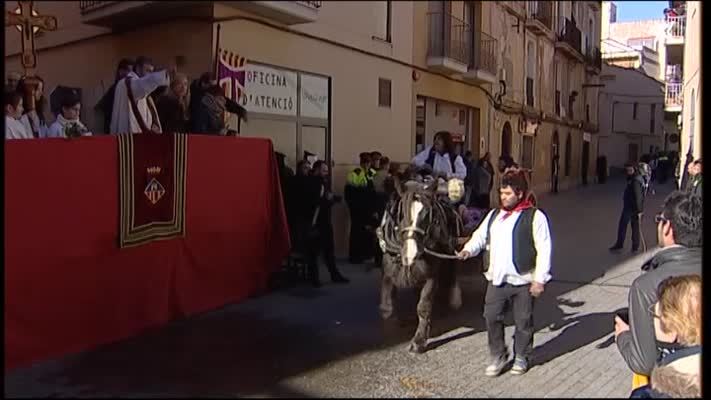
[{"x": 361, "y": 199}]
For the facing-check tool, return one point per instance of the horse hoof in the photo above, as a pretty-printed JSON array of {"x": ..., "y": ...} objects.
[{"x": 416, "y": 348}]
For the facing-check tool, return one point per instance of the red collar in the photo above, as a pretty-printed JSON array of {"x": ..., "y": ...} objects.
[{"x": 525, "y": 204}]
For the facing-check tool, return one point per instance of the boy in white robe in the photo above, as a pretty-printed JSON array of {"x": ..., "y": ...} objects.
[{"x": 13, "y": 110}]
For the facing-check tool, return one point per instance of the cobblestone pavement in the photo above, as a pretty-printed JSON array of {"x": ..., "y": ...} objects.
[{"x": 304, "y": 342}]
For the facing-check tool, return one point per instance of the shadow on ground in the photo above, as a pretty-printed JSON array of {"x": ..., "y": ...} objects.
[{"x": 248, "y": 349}]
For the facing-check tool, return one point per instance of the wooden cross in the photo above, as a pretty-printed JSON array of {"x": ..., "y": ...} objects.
[{"x": 29, "y": 22}]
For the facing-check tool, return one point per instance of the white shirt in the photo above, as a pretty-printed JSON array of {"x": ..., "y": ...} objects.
[
  {"x": 122, "y": 118},
  {"x": 14, "y": 129},
  {"x": 442, "y": 165},
  {"x": 501, "y": 266},
  {"x": 56, "y": 130},
  {"x": 25, "y": 120}
]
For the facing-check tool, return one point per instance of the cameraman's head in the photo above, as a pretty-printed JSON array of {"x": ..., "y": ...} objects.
[{"x": 681, "y": 220}]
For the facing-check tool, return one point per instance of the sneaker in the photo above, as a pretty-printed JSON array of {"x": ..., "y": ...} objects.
[
  {"x": 496, "y": 366},
  {"x": 520, "y": 366}
]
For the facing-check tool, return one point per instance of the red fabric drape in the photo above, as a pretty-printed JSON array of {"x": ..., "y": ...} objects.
[{"x": 68, "y": 287}]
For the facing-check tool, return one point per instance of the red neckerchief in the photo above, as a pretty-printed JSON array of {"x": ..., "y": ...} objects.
[{"x": 519, "y": 207}]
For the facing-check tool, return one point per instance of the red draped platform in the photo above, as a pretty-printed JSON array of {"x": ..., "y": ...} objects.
[{"x": 68, "y": 285}]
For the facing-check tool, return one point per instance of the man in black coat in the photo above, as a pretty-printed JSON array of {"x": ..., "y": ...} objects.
[
  {"x": 680, "y": 237},
  {"x": 632, "y": 208}
]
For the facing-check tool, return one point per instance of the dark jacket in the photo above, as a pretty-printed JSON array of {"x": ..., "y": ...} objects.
[
  {"x": 171, "y": 116},
  {"x": 106, "y": 106},
  {"x": 638, "y": 346},
  {"x": 677, "y": 375},
  {"x": 634, "y": 195}
]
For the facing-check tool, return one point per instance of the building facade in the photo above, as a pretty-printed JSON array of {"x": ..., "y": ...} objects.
[
  {"x": 631, "y": 115},
  {"x": 645, "y": 45},
  {"x": 690, "y": 144},
  {"x": 507, "y": 77}
]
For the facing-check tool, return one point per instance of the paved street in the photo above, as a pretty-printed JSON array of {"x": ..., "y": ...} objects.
[{"x": 331, "y": 342}]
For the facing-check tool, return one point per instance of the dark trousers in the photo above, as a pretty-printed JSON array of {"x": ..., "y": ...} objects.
[
  {"x": 555, "y": 183},
  {"x": 322, "y": 243},
  {"x": 497, "y": 298},
  {"x": 361, "y": 244},
  {"x": 625, "y": 219}
]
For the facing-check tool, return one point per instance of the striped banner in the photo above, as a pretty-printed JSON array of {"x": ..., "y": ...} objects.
[
  {"x": 152, "y": 174},
  {"x": 231, "y": 74}
]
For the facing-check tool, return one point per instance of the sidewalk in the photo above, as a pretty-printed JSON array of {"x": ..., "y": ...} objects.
[{"x": 305, "y": 342}]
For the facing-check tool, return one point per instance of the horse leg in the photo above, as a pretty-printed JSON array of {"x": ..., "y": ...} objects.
[
  {"x": 386, "y": 297},
  {"x": 424, "y": 314}
]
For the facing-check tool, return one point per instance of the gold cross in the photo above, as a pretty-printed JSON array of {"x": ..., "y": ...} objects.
[{"x": 29, "y": 22}]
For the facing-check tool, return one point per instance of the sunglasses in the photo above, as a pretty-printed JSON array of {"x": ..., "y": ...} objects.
[
  {"x": 660, "y": 218},
  {"x": 652, "y": 312}
]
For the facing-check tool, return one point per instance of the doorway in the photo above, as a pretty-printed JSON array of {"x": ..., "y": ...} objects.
[
  {"x": 586, "y": 161},
  {"x": 632, "y": 152},
  {"x": 506, "y": 140},
  {"x": 555, "y": 162}
]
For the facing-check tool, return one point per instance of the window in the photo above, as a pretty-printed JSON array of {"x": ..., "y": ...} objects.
[
  {"x": 557, "y": 103},
  {"x": 587, "y": 113},
  {"x": 530, "y": 72},
  {"x": 634, "y": 111},
  {"x": 638, "y": 43},
  {"x": 652, "y": 118},
  {"x": 462, "y": 117},
  {"x": 527, "y": 156},
  {"x": 385, "y": 14},
  {"x": 384, "y": 92}
]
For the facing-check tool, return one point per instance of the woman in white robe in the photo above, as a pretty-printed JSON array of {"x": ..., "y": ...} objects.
[
  {"x": 34, "y": 120},
  {"x": 123, "y": 120}
]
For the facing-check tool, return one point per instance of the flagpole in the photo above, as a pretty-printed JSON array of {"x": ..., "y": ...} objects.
[{"x": 217, "y": 49}]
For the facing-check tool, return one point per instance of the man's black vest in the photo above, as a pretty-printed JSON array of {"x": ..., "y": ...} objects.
[
  {"x": 431, "y": 158},
  {"x": 524, "y": 249}
]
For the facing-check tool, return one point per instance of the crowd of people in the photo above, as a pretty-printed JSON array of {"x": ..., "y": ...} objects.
[{"x": 140, "y": 100}]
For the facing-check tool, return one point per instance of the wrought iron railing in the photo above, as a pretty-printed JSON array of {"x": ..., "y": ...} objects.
[
  {"x": 676, "y": 26},
  {"x": 448, "y": 37},
  {"x": 674, "y": 74},
  {"x": 593, "y": 57},
  {"x": 88, "y": 6},
  {"x": 485, "y": 53},
  {"x": 541, "y": 11},
  {"x": 674, "y": 95},
  {"x": 569, "y": 33}
]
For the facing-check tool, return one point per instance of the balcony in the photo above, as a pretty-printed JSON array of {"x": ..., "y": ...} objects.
[
  {"x": 130, "y": 14},
  {"x": 529, "y": 92},
  {"x": 448, "y": 44},
  {"x": 540, "y": 18},
  {"x": 286, "y": 12},
  {"x": 674, "y": 97},
  {"x": 569, "y": 39},
  {"x": 517, "y": 8},
  {"x": 674, "y": 38},
  {"x": 593, "y": 59},
  {"x": 483, "y": 67},
  {"x": 674, "y": 74}
]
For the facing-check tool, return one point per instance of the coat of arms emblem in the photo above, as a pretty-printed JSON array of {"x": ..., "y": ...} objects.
[{"x": 154, "y": 190}]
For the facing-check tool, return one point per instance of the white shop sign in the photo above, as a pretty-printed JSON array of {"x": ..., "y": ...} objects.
[
  {"x": 314, "y": 96},
  {"x": 269, "y": 90}
]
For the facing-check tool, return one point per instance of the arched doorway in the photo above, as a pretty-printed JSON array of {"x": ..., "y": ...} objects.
[
  {"x": 555, "y": 162},
  {"x": 506, "y": 140}
]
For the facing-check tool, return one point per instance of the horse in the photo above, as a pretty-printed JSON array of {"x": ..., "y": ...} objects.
[{"x": 416, "y": 236}]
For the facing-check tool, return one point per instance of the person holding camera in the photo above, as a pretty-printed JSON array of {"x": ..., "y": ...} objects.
[
  {"x": 320, "y": 233},
  {"x": 679, "y": 234}
]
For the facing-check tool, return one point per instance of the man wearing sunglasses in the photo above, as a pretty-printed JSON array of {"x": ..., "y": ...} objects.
[{"x": 679, "y": 234}]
